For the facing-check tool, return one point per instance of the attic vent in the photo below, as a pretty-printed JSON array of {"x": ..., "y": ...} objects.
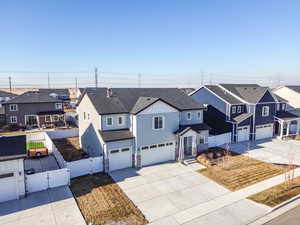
[
  {"x": 148, "y": 99},
  {"x": 53, "y": 95}
]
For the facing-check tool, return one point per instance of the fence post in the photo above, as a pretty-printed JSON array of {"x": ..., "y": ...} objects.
[{"x": 91, "y": 165}]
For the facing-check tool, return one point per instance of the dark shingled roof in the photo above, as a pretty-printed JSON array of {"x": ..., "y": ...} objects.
[
  {"x": 142, "y": 103},
  {"x": 195, "y": 127},
  {"x": 285, "y": 115},
  {"x": 241, "y": 117},
  {"x": 251, "y": 93},
  {"x": 116, "y": 135},
  {"x": 58, "y": 91},
  {"x": 7, "y": 94},
  {"x": 12, "y": 145},
  {"x": 295, "y": 88},
  {"x": 126, "y": 100},
  {"x": 33, "y": 97},
  {"x": 223, "y": 94}
]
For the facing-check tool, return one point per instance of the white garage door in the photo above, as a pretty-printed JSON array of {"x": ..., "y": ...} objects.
[
  {"x": 157, "y": 153},
  {"x": 243, "y": 133},
  {"x": 120, "y": 159},
  {"x": 264, "y": 131},
  {"x": 8, "y": 187}
]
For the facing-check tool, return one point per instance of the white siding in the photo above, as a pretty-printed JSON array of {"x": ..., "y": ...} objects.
[{"x": 158, "y": 107}]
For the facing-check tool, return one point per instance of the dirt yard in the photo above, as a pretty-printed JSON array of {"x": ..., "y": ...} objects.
[
  {"x": 102, "y": 202},
  {"x": 277, "y": 194},
  {"x": 69, "y": 148},
  {"x": 235, "y": 171}
]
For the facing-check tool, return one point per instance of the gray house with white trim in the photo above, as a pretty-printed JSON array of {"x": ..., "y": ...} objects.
[
  {"x": 249, "y": 111},
  {"x": 135, "y": 127}
]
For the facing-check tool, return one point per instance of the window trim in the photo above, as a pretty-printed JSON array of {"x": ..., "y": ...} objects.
[
  {"x": 123, "y": 121},
  {"x": 153, "y": 123},
  {"x": 13, "y": 110},
  {"x": 188, "y": 115},
  {"x": 199, "y": 115},
  {"x": 239, "y": 109},
  {"x": 278, "y": 107},
  {"x": 55, "y": 118},
  {"x": 112, "y": 121},
  {"x": 233, "y": 109},
  {"x": 48, "y": 116},
  {"x": 14, "y": 122},
  {"x": 283, "y": 107},
  {"x": 262, "y": 111}
]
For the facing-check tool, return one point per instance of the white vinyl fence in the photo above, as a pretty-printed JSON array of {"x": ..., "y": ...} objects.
[
  {"x": 35, "y": 136},
  {"x": 65, "y": 133},
  {"x": 218, "y": 140},
  {"x": 49, "y": 179}
]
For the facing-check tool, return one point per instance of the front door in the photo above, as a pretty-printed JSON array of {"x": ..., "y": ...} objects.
[
  {"x": 188, "y": 145},
  {"x": 31, "y": 120}
]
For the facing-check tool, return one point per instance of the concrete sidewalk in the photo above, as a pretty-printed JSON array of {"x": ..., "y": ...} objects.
[{"x": 228, "y": 199}]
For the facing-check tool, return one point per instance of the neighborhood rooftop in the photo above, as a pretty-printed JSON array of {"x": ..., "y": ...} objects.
[
  {"x": 223, "y": 94},
  {"x": 132, "y": 100},
  {"x": 33, "y": 97},
  {"x": 295, "y": 88},
  {"x": 7, "y": 94}
]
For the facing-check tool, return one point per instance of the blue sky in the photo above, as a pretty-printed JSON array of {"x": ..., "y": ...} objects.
[{"x": 233, "y": 40}]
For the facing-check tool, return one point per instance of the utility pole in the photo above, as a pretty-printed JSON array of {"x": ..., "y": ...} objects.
[
  {"x": 48, "y": 80},
  {"x": 210, "y": 77},
  {"x": 201, "y": 78},
  {"x": 96, "y": 77},
  {"x": 76, "y": 86},
  {"x": 140, "y": 80},
  {"x": 9, "y": 84}
]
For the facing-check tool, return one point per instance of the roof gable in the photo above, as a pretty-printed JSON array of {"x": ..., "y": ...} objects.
[
  {"x": 157, "y": 106},
  {"x": 267, "y": 97}
]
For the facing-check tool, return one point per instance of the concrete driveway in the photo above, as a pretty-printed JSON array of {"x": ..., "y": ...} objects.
[
  {"x": 163, "y": 191},
  {"x": 270, "y": 150},
  {"x": 51, "y": 207}
]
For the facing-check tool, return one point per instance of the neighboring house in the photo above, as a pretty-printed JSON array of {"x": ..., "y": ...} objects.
[
  {"x": 292, "y": 95},
  {"x": 4, "y": 97},
  {"x": 249, "y": 111},
  {"x": 35, "y": 109},
  {"x": 135, "y": 127},
  {"x": 59, "y": 93},
  {"x": 12, "y": 154}
]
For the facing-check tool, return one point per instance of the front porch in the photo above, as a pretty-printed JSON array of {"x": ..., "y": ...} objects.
[
  {"x": 287, "y": 125},
  {"x": 45, "y": 119}
]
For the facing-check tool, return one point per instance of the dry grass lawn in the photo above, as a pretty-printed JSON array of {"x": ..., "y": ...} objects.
[
  {"x": 240, "y": 171},
  {"x": 277, "y": 194},
  {"x": 69, "y": 148},
  {"x": 102, "y": 201}
]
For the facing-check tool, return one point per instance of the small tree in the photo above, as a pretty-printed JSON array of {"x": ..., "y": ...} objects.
[
  {"x": 226, "y": 156},
  {"x": 290, "y": 169}
]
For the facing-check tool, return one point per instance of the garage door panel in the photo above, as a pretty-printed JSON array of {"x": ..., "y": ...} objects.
[
  {"x": 243, "y": 133},
  {"x": 8, "y": 188},
  {"x": 264, "y": 131},
  {"x": 157, "y": 154},
  {"x": 120, "y": 159}
]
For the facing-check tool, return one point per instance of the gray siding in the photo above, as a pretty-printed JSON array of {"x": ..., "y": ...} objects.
[
  {"x": 194, "y": 117},
  {"x": 243, "y": 108},
  {"x": 204, "y": 96},
  {"x": 115, "y": 125},
  {"x": 28, "y": 109},
  {"x": 147, "y": 136}
]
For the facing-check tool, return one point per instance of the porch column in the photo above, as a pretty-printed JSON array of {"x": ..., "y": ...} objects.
[
  {"x": 194, "y": 146},
  {"x": 106, "y": 159},
  {"x": 288, "y": 128},
  {"x": 281, "y": 124},
  {"x": 181, "y": 148}
]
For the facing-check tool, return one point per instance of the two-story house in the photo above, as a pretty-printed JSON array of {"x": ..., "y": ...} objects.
[
  {"x": 248, "y": 110},
  {"x": 135, "y": 127},
  {"x": 35, "y": 109}
]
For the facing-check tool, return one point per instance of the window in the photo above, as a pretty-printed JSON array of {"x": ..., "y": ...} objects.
[
  {"x": 84, "y": 115},
  {"x": 88, "y": 116},
  {"x": 114, "y": 151},
  {"x": 278, "y": 107},
  {"x": 170, "y": 143},
  {"x": 5, "y": 175},
  {"x": 283, "y": 107},
  {"x": 189, "y": 116},
  {"x": 120, "y": 120},
  {"x": 145, "y": 148},
  {"x": 47, "y": 118},
  {"x": 265, "y": 111},
  {"x": 161, "y": 145},
  {"x": 109, "y": 121},
  {"x": 233, "y": 109},
  {"x": 199, "y": 115},
  {"x": 239, "y": 109},
  {"x": 125, "y": 149},
  {"x": 13, "y": 107},
  {"x": 55, "y": 118},
  {"x": 158, "y": 123},
  {"x": 58, "y": 105},
  {"x": 201, "y": 139},
  {"x": 153, "y": 146},
  {"x": 13, "y": 119}
]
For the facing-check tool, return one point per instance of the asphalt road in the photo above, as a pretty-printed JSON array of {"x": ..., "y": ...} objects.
[{"x": 291, "y": 217}]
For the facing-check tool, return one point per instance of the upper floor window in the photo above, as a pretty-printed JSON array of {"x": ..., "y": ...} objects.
[
  {"x": 265, "y": 111},
  {"x": 283, "y": 107},
  {"x": 158, "y": 122},
  {"x": 120, "y": 120},
  {"x": 233, "y": 109},
  {"x": 58, "y": 105},
  {"x": 84, "y": 115},
  {"x": 189, "y": 116},
  {"x": 13, "y": 119},
  {"x": 199, "y": 115},
  {"x": 13, "y": 107},
  {"x": 109, "y": 121},
  {"x": 278, "y": 107},
  {"x": 239, "y": 109}
]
